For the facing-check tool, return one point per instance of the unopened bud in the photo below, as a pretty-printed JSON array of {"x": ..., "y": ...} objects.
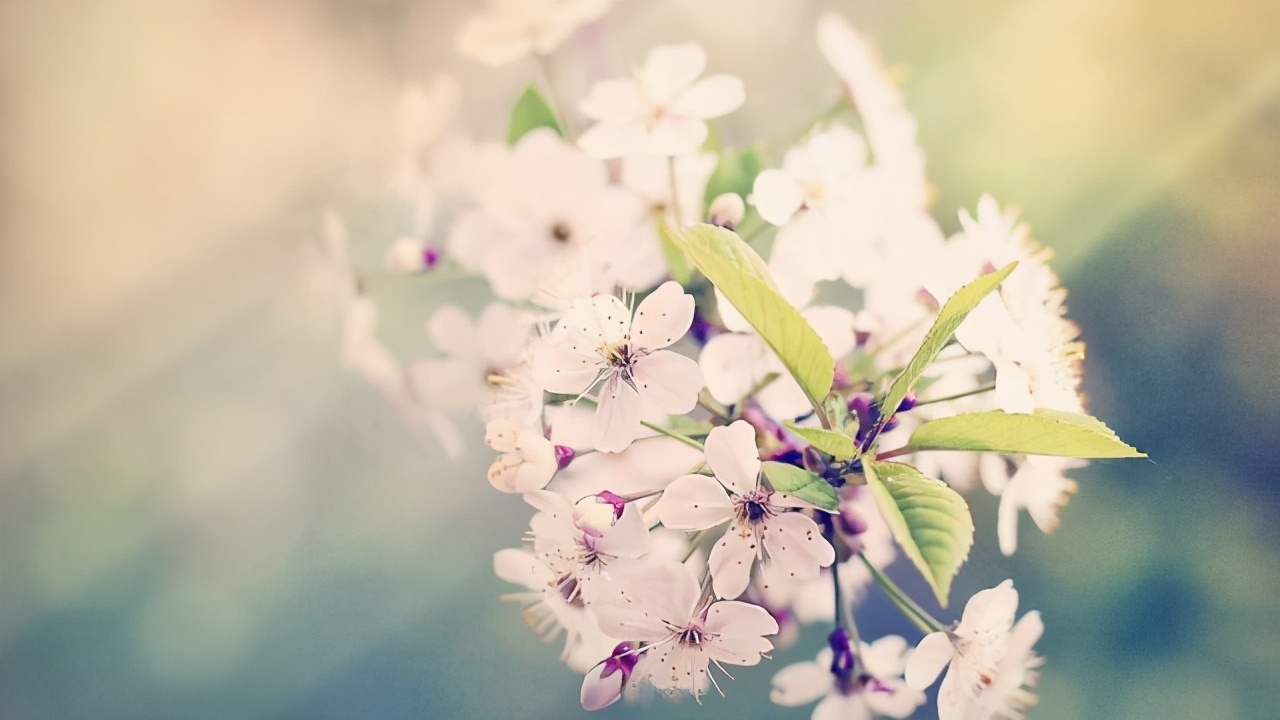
[
  {"x": 727, "y": 210},
  {"x": 601, "y": 510},
  {"x": 407, "y": 255},
  {"x": 564, "y": 456}
]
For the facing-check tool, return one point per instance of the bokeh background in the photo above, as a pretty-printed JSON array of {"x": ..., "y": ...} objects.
[{"x": 203, "y": 516}]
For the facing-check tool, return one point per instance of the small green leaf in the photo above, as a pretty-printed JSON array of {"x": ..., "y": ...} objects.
[
  {"x": 735, "y": 173},
  {"x": 677, "y": 264},
  {"x": 801, "y": 483},
  {"x": 741, "y": 276},
  {"x": 953, "y": 312},
  {"x": 929, "y": 520},
  {"x": 532, "y": 111},
  {"x": 1047, "y": 432},
  {"x": 828, "y": 441}
]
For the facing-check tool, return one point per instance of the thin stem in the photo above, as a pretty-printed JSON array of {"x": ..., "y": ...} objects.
[
  {"x": 914, "y": 612},
  {"x": 672, "y": 434},
  {"x": 677, "y": 215},
  {"x": 976, "y": 391},
  {"x": 896, "y": 452},
  {"x": 708, "y": 403}
]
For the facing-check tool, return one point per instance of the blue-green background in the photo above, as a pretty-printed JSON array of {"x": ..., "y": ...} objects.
[{"x": 201, "y": 516}]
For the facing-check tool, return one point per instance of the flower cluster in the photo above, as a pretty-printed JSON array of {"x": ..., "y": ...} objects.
[{"x": 720, "y": 447}]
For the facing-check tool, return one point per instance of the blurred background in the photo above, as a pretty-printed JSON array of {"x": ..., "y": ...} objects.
[{"x": 203, "y": 516}]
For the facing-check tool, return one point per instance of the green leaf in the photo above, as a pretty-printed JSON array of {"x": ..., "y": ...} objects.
[
  {"x": 828, "y": 441},
  {"x": 1047, "y": 432},
  {"x": 801, "y": 483},
  {"x": 532, "y": 111},
  {"x": 736, "y": 173},
  {"x": 953, "y": 312},
  {"x": 741, "y": 276},
  {"x": 677, "y": 264},
  {"x": 929, "y": 520}
]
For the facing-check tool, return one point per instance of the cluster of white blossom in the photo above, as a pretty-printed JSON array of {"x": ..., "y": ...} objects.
[{"x": 648, "y": 380}]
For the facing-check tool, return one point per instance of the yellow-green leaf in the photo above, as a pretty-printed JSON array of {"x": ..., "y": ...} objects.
[
  {"x": 929, "y": 520},
  {"x": 801, "y": 483},
  {"x": 677, "y": 264},
  {"x": 531, "y": 111},
  {"x": 836, "y": 444},
  {"x": 742, "y": 278},
  {"x": 953, "y": 312},
  {"x": 1047, "y": 432}
]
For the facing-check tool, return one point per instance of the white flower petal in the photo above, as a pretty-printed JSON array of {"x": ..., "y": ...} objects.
[
  {"x": 669, "y": 69},
  {"x": 668, "y": 381},
  {"x": 733, "y": 456},
  {"x": 1007, "y": 522},
  {"x": 522, "y": 568},
  {"x": 663, "y": 317},
  {"x": 777, "y": 196},
  {"x": 600, "y": 692},
  {"x": 693, "y": 502},
  {"x": 590, "y": 323},
  {"x": 674, "y": 135},
  {"x": 800, "y": 684},
  {"x": 795, "y": 547},
  {"x": 614, "y": 139},
  {"x": 989, "y": 611},
  {"x": 617, "y": 416},
  {"x": 740, "y": 629},
  {"x": 929, "y": 658},
  {"x": 710, "y": 97},
  {"x": 732, "y": 364},
  {"x": 503, "y": 335},
  {"x": 731, "y": 560},
  {"x": 886, "y": 657},
  {"x": 900, "y": 702},
  {"x": 559, "y": 368},
  {"x": 614, "y": 99},
  {"x": 842, "y": 707}
]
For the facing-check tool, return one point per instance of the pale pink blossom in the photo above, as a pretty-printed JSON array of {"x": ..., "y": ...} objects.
[
  {"x": 991, "y": 668},
  {"x": 848, "y": 691},
  {"x": 680, "y": 630},
  {"x": 598, "y": 342},
  {"x": 662, "y": 109},
  {"x": 510, "y": 29},
  {"x": 763, "y": 524}
]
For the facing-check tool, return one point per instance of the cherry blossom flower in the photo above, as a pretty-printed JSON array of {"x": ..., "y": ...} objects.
[
  {"x": 662, "y": 109},
  {"x": 581, "y": 551},
  {"x": 551, "y": 224},
  {"x": 848, "y": 692},
  {"x": 598, "y": 340},
  {"x": 510, "y": 29},
  {"x": 991, "y": 668},
  {"x": 650, "y": 177},
  {"x": 762, "y": 523},
  {"x": 476, "y": 353},
  {"x": 548, "y": 612},
  {"x": 1039, "y": 487},
  {"x": 682, "y": 630},
  {"x": 528, "y": 459},
  {"x": 859, "y": 528}
]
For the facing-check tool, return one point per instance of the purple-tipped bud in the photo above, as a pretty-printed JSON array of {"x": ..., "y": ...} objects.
[
  {"x": 727, "y": 210},
  {"x": 814, "y": 462},
  {"x": 604, "y": 683},
  {"x": 564, "y": 456},
  {"x": 430, "y": 256},
  {"x": 908, "y": 402},
  {"x": 618, "y": 502},
  {"x": 851, "y": 523}
]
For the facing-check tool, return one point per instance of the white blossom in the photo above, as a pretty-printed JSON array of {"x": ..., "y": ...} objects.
[
  {"x": 857, "y": 693},
  {"x": 763, "y": 524},
  {"x": 598, "y": 342},
  {"x": 683, "y": 631},
  {"x": 662, "y": 109},
  {"x": 510, "y": 29},
  {"x": 991, "y": 668}
]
